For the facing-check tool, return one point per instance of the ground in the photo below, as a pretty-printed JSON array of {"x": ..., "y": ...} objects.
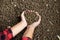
[{"x": 48, "y": 9}]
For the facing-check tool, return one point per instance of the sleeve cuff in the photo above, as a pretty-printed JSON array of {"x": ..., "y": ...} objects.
[
  {"x": 8, "y": 33},
  {"x": 26, "y": 38}
]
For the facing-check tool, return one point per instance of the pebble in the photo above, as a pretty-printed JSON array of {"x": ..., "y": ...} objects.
[
  {"x": 44, "y": 38},
  {"x": 55, "y": 0},
  {"x": 46, "y": 5},
  {"x": 9, "y": 20},
  {"x": 44, "y": 0},
  {"x": 12, "y": 3},
  {"x": 23, "y": 0},
  {"x": 38, "y": 37},
  {"x": 50, "y": 22},
  {"x": 57, "y": 11},
  {"x": 15, "y": 5},
  {"x": 9, "y": 27},
  {"x": 58, "y": 37},
  {"x": 48, "y": 30}
]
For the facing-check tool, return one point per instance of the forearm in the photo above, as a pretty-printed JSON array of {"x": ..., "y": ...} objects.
[
  {"x": 29, "y": 32},
  {"x": 18, "y": 28}
]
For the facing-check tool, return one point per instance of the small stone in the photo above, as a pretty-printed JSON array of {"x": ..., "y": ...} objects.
[
  {"x": 46, "y": 5},
  {"x": 57, "y": 11},
  {"x": 9, "y": 27},
  {"x": 12, "y": 3},
  {"x": 9, "y": 20},
  {"x": 23, "y": 0},
  {"x": 38, "y": 37},
  {"x": 44, "y": 36},
  {"x": 48, "y": 30},
  {"x": 43, "y": 0},
  {"x": 55, "y": 0},
  {"x": 58, "y": 37},
  {"x": 15, "y": 5},
  {"x": 50, "y": 22}
]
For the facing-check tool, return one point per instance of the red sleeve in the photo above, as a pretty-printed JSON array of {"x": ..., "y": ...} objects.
[
  {"x": 26, "y": 38},
  {"x": 6, "y": 34}
]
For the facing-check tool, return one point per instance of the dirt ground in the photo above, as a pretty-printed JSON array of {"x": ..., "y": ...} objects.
[{"x": 48, "y": 9}]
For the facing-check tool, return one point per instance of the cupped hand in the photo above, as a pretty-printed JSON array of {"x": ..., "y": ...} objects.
[
  {"x": 23, "y": 18},
  {"x": 35, "y": 24}
]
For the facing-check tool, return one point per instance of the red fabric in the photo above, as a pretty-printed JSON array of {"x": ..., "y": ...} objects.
[
  {"x": 6, "y": 34},
  {"x": 24, "y": 38}
]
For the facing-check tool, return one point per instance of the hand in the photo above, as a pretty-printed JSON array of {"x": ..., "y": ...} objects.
[
  {"x": 35, "y": 24},
  {"x": 23, "y": 18}
]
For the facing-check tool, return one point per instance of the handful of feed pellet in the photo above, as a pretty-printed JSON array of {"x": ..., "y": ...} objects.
[{"x": 31, "y": 16}]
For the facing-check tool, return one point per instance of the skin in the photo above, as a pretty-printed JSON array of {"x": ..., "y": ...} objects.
[
  {"x": 30, "y": 28},
  {"x": 21, "y": 25}
]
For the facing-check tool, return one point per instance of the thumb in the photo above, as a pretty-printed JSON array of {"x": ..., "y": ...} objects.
[
  {"x": 37, "y": 22},
  {"x": 22, "y": 16}
]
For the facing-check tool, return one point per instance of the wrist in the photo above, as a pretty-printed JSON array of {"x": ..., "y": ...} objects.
[
  {"x": 24, "y": 23},
  {"x": 31, "y": 27}
]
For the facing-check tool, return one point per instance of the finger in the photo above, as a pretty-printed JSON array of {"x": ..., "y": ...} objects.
[
  {"x": 30, "y": 10},
  {"x": 39, "y": 17},
  {"x": 22, "y": 15}
]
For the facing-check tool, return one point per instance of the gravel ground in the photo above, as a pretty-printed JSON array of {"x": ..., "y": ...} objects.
[{"x": 48, "y": 9}]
